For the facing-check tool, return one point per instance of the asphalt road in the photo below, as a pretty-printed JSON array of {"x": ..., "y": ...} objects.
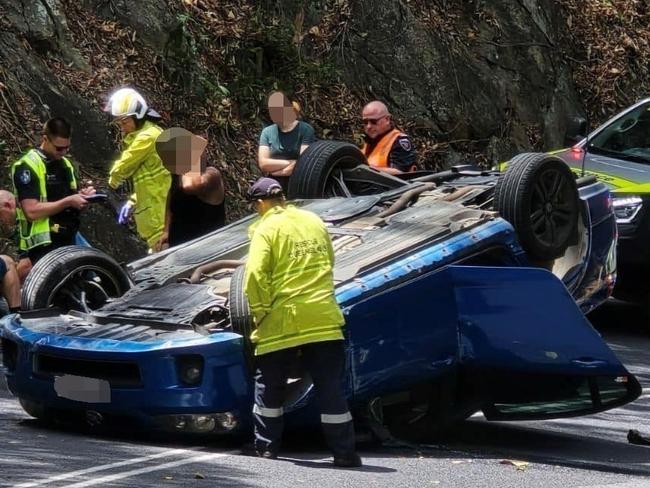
[{"x": 570, "y": 453}]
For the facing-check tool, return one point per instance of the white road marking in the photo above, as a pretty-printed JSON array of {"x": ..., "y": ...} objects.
[
  {"x": 135, "y": 472},
  {"x": 628, "y": 484},
  {"x": 104, "y": 467}
]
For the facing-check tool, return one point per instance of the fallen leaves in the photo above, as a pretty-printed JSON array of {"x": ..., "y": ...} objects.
[
  {"x": 520, "y": 465},
  {"x": 610, "y": 69}
]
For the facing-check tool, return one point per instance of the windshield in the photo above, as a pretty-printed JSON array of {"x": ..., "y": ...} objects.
[{"x": 628, "y": 137}]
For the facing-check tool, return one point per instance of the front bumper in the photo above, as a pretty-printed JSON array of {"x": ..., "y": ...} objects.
[{"x": 158, "y": 396}]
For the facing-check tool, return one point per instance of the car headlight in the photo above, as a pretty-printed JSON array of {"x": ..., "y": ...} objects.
[
  {"x": 190, "y": 369},
  {"x": 626, "y": 208}
]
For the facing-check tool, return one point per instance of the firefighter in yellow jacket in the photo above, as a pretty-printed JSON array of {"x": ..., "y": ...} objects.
[
  {"x": 139, "y": 163},
  {"x": 290, "y": 289}
]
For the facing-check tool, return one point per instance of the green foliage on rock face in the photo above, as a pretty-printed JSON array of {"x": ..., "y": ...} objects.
[{"x": 240, "y": 64}]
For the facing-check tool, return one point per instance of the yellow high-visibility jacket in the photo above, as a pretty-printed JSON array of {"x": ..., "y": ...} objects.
[
  {"x": 140, "y": 162},
  {"x": 37, "y": 233},
  {"x": 289, "y": 281}
]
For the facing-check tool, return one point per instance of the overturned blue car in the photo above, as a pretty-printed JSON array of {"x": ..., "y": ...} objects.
[{"x": 463, "y": 291}]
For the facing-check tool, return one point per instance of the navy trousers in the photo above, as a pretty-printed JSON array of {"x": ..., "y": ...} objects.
[{"x": 325, "y": 362}]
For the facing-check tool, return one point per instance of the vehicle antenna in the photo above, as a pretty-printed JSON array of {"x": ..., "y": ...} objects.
[{"x": 584, "y": 151}]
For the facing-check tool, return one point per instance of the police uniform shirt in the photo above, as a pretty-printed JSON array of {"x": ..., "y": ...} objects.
[
  {"x": 402, "y": 154},
  {"x": 57, "y": 187}
]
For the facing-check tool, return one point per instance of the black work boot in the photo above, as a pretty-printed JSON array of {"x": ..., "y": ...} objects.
[
  {"x": 250, "y": 450},
  {"x": 267, "y": 454},
  {"x": 351, "y": 460}
]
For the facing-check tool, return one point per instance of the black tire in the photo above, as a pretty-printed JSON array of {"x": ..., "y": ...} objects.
[
  {"x": 36, "y": 410},
  {"x": 316, "y": 166},
  {"x": 241, "y": 317},
  {"x": 428, "y": 416},
  {"x": 60, "y": 277},
  {"x": 538, "y": 195}
]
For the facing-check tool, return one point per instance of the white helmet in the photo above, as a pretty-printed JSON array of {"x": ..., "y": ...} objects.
[{"x": 125, "y": 102}]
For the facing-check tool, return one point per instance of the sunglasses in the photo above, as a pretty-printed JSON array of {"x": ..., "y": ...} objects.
[
  {"x": 372, "y": 121},
  {"x": 59, "y": 148}
]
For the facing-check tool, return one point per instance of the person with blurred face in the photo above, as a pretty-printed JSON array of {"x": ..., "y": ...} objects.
[
  {"x": 46, "y": 187},
  {"x": 196, "y": 199},
  {"x": 386, "y": 148},
  {"x": 7, "y": 229},
  {"x": 282, "y": 142},
  {"x": 139, "y": 164}
]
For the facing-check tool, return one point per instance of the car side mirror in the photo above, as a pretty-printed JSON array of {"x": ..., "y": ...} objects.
[{"x": 576, "y": 130}]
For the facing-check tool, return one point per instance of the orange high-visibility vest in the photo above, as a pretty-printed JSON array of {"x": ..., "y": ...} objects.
[{"x": 379, "y": 156}]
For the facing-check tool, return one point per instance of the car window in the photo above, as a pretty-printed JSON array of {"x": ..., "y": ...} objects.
[
  {"x": 628, "y": 137},
  {"x": 568, "y": 395}
]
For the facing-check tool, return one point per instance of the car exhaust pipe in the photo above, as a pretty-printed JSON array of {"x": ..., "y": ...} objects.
[
  {"x": 402, "y": 202},
  {"x": 204, "y": 270}
]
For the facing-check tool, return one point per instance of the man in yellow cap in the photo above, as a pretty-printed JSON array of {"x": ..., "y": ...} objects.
[{"x": 290, "y": 288}]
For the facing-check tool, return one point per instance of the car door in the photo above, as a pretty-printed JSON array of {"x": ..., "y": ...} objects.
[
  {"x": 401, "y": 336},
  {"x": 528, "y": 351}
]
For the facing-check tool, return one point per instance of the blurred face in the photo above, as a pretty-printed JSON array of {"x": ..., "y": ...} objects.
[
  {"x": 181, "y": 151},
  {"x": 376, "y": 121},
  {"x": 55, "y": 147},
  {"x": 125, "y": 124},
  {"x": 280, "y": 109}
]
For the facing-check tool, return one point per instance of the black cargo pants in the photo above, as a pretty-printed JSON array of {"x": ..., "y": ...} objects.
[{"x": 325, "y": 362}]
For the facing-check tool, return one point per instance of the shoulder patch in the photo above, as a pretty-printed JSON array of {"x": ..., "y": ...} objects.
[
  {"x": 405, "y": 143},
  {"x": 25, "y": 176}
]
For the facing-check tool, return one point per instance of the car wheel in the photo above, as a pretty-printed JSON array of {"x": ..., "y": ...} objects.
[
  {"x": 538, "y": 195},
  {"x": 74, "y": 278},
  {"x": 36, "y": 410},
  {"x": 427, "y": 415},
  {"x": 241, "y": 318},
  {"x": 318, "y": 172}
]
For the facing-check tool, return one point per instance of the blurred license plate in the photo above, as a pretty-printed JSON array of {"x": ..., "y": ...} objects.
[{"x": 82, "y": 389}]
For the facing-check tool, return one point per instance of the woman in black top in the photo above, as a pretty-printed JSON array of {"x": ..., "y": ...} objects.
[
  {"x": 195, "y": 208},
  {"x": 196, "y": 199}
]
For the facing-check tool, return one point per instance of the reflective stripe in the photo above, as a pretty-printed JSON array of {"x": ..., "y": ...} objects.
[
  {"x": 145, "y": 174},
  {"x": 35, "y": 240},
  {"x": 268, "y": 412},
  {"x": 341, "y": 418}
]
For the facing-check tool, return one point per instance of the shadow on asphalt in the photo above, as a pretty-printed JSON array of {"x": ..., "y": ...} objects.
[
  {"x": 553, "y": 447},
  {"x": 616, "y": 317}
]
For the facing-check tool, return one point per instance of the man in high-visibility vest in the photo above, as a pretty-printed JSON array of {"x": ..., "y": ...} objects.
[
  {"x": 48, "y": 193},
  {"x": 290, "y": 289},
  {"x": 386, "y": 148}
]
